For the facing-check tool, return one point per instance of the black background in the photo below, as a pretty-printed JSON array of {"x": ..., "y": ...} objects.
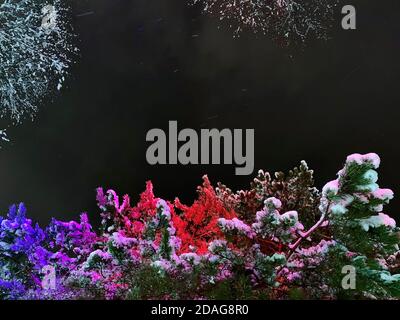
[
  {"x": 143, "y": 308},
  {"x": 145, "y": 62}
]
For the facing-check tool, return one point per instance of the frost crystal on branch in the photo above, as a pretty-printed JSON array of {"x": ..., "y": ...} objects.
[
  {"x": 287, "y": 20},
  {"x": 35, "y": 53},
  {"x": 3, "y": 136}
]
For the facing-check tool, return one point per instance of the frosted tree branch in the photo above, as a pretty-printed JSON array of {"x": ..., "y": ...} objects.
[{"x": 36, "y": 51}]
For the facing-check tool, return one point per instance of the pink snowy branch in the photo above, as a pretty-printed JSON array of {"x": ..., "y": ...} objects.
[{"x": 305, "y": 235}]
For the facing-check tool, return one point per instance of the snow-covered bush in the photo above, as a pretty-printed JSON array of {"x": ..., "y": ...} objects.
[{"x": 226, "y": 245}]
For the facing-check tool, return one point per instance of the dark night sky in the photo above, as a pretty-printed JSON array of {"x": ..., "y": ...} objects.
[{"x": 141, "y": 66}]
